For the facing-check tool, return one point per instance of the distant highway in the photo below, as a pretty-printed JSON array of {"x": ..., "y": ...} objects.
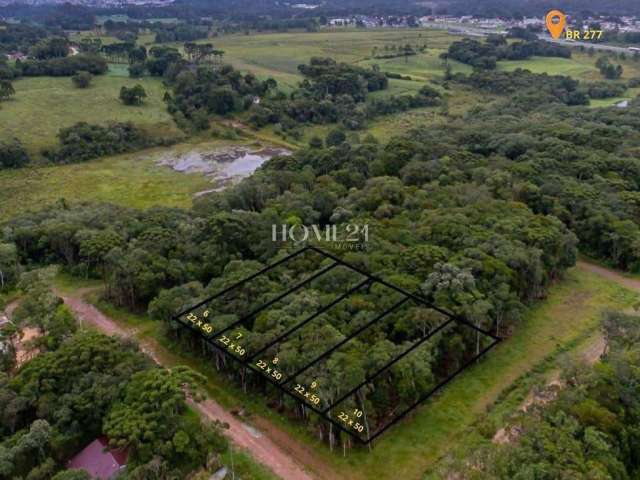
[
  {"x": 575, "y": 43},
  {"x": 459, "y": 29}
]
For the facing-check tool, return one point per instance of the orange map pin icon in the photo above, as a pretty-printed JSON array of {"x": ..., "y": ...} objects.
[{"x": 556, "y": 21}]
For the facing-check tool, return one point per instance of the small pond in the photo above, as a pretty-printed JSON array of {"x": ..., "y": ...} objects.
[{"x": 226, "y": 166}]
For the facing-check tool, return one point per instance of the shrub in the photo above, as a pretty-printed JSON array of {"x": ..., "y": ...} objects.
[
  {"x": 133, "y": 95},
  {"x": 13, "y": 154},
  {"x": 82, "y": 79}
]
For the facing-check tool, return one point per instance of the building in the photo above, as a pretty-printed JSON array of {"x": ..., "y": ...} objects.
[
  {"x": 17, "y": 56},
  {"x": 99, "y": 461}
]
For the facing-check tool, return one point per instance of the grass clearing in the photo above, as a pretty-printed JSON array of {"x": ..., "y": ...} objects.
[
  {"x": 44, "y": 105},
  {"x": 278, "y": 55},
  {"x": 576, "y": 67},
  {"x": 420, "y": 67},
  {"x": 132, "y": 180},
  {"x": 580, "y": 66}
]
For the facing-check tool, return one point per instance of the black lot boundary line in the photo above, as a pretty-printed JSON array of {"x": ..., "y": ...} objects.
[
  {"x": 243, "y": 281},
  {"x": 269, "y": 379},
  {"x": 322, "y": 413},
  {"x": 295, "y": 288},
  {"x": 389, "y": 364},
  {"x": 434, "y": 390},
  {"x": 372, "y": 278},
  {"x": 415, "y": 297},
  {"x": 345, "y": 340},
  {"x": 324, "y": 309}
]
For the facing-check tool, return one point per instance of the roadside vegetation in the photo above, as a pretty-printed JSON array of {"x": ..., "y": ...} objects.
[{"x": 587, "y": 426}]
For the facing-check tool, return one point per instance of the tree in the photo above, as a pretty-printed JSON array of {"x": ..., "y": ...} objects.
[
  {"x": 335, "y": 137},
  {"x": 137, "y": 69},
  {"x": 82, "y": 79},
  {"x": 42, "y": 309},
  {"x": 73, "y": 474},
  {"x": 50, "y": 48},
  {"x": 316, "y": 142},
  {"x": 13, "y": 154},
  {"x": 133, "y": 95},
  {"x": 8, "y": 264},
  {"x": 148, "y": 419},
  {"x": 27, "y": 451},
  {"x": 6, "y": 89}
]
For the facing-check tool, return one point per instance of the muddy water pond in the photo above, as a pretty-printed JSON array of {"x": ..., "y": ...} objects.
[{"x": 225, "y": 166}]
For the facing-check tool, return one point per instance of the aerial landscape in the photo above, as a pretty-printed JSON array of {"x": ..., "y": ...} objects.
[{"x": 325, "y": 240}]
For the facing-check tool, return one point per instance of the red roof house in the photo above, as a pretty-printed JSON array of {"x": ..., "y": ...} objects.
[{"x": 99, "y": 460}]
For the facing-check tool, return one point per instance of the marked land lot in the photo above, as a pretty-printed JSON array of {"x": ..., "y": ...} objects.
[{"x": 370, "y": 312}]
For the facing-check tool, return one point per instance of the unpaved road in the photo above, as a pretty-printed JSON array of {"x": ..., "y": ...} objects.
[
  {"x": 261, "y": 446},
  {"x": 590, "y": 353},
  {"x": 630, "y": 283}
]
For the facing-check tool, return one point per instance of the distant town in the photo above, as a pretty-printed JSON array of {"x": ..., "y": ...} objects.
[{"x": 488, "y": 25}]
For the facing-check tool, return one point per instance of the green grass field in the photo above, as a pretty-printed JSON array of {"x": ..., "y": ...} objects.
[
  {"x": 132, "y": 180},
  {"x": 580, "y": 66},
  {"x": 43, "y": 105},
  {"x": 279, "y": 54}
]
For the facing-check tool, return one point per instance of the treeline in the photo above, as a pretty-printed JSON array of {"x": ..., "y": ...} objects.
[
  {"x": 589, "y": 431},
  {"x": 55, "y": 67},
  {"x": 330, "y": 92},
  {"x": 527, "y": 88},
  {"x": 198, "y": 94},
  {"x": 83, "y": 141},
  {"x": 484, "y": 56},
  {"x": 524, "y": 86},
  {"x": 536, "y": 8},
  {"x": 624, "y": 38},
  {"x": 337, "y": 93},
  {"x": 18, "y": 37},
  {"x": 576, "y": 164},
  {"x": 480, "y": 214},
  {"x": 165, "y": 33}
]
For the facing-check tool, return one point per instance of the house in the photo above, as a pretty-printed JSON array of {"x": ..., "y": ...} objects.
[
  {"x": 99, "y": 461},
  {"x": 17, "y": 56}
]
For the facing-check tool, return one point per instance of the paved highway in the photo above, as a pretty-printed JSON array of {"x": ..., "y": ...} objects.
[
  {"x": 575, "y": 43},
  {"x": 460, "y": 29}
]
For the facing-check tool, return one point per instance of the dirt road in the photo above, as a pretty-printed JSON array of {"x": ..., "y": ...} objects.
[
  {"x": 260, "y": 445},
  {"x": 630, "y": 283},
  {"x": 595, "y": 350},
  {"x": 590, "y": 353}
]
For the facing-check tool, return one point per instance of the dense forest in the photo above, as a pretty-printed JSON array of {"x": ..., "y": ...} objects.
[
  {"x": 53, "y": 405},
  {"x": 479, "y": 215}
]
